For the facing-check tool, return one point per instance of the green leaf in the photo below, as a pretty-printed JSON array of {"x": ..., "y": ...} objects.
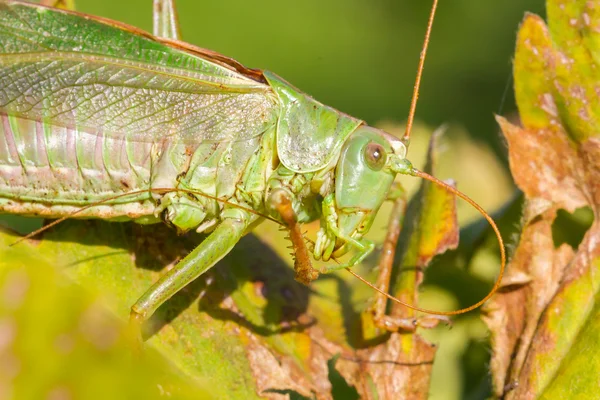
[{"x": 430, "y": 228}]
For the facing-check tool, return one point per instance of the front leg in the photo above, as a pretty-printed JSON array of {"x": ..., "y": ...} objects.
[
  {"x": 208, "y": 253},
  {"x": 280, "y": 200},
  {"x": 330, "y": 232}
]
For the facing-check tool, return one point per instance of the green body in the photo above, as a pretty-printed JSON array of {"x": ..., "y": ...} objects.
[{"x": 91, "y": 109}]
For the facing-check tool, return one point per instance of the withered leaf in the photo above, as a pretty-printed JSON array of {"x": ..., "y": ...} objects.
[{"x": 539, "y": 327}]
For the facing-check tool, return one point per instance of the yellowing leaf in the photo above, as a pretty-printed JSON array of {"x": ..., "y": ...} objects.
[{"x": 540, "y": 325}]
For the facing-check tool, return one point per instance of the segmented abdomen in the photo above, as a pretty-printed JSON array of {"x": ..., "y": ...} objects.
[{"x": 51, "y": 170}]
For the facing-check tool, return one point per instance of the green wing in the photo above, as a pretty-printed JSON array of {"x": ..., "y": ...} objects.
[{"x": 91, "y": 74}]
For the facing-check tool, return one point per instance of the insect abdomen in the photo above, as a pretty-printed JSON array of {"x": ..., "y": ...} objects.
[{"x": 52, "y": 171}]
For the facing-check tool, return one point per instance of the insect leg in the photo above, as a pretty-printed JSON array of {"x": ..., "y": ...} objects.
[
  {"x": 363, "y": 246},
  {"x": 381, "y": 319},
  {"x": 208, "y": 253},
  {"x": 281, "y": 202},
  {"x": 165, "y": 21}
]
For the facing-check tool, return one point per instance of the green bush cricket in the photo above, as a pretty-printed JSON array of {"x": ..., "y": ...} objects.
[{"x": 103, "y": 120}]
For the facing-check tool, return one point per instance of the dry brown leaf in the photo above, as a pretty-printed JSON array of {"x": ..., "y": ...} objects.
[{"x": 540, "y": 326}]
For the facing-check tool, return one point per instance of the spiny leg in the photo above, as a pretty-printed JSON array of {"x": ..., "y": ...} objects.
[
  {"x": 281, "y": 202},
  {"x": 378, "y": 309},
  {"x": 165, "y": 20},
  {"x": 203, "y": 257}
]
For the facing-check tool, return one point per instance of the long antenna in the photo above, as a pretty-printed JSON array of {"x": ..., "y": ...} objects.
[{"x": 415, "y": 96}]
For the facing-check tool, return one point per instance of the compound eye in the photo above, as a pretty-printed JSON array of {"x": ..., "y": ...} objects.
[{"x": 375, "y": 156}]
